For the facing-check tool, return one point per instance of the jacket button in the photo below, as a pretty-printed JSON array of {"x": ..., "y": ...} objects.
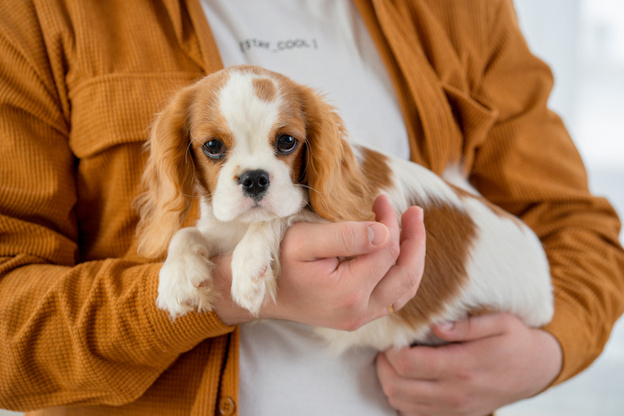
[{"x": 227, "y": 407}]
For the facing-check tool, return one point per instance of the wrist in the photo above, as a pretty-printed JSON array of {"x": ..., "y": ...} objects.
[{"x": 551, "y": 358}]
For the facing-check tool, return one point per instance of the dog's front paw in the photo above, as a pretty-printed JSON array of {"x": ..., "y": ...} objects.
[
  {"x": 185, "y": 279},
  {"x": 252, "y": 279}
]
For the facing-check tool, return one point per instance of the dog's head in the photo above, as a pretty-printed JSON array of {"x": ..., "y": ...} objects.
[{"x": 255, "y": 146}]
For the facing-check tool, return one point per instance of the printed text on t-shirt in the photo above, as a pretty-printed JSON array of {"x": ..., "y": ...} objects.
[{"x": 279, "y": 46}]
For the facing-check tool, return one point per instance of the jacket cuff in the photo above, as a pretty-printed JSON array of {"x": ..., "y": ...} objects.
[{"x": 186, "y": 332}]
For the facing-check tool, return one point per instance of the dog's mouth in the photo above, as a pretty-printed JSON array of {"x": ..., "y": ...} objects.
[
  {"x": 271, "y": 205},
  {"x": 256, "y": 209}
]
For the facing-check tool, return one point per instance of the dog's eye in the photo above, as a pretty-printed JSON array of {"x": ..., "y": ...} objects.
[
  {"x": 214, "y": 149},
  {"x": 286, "y": 144}
]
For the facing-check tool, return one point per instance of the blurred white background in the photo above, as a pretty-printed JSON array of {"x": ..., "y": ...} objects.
[{"x": 583, "y": 42}]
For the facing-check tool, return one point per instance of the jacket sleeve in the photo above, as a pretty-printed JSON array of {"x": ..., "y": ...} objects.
[
  {"x": 529, "y": 166},
  {"x": 70, "y": 331}
]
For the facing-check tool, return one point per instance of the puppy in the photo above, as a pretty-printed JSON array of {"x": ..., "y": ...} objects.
[{"x": 262, "y": 152}]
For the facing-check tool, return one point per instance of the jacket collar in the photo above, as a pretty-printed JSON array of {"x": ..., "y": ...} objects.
[{"x": 193, "y": 33}]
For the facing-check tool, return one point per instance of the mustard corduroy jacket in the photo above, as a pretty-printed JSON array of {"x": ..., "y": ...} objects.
[{"x": 80, "y": 82}]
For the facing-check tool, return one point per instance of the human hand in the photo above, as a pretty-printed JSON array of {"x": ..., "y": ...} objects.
[
  {"x": 384, "y": 268},
  {"x": 491, "y": 361}
]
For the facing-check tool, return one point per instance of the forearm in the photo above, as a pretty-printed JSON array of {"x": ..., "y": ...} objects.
[
  {"x": 588, "y": 277},
  {"x": 73, "y": 330},
  {"x": 587, "y": 269},
  {"x": 89, "y": 333},
  {"x": 530, "y": 167}
]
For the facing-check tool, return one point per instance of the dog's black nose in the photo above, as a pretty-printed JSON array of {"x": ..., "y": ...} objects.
[{"x": 255, "y": 183}]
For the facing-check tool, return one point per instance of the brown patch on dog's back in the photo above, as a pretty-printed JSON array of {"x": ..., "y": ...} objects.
[
  {"x": 265, "y": 89},
  {"x": 450, "y": 236},
  {"x": 498, "y": 211},
  {"x": 480, "y": 311},
  {"x": 376, "y": 169}
]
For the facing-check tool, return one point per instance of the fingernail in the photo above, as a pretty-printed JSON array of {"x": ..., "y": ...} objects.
[
  {"x": 446, "y": 326},
  {"x": 377, "y": 234},
  {"x": 421, "y": 214}
]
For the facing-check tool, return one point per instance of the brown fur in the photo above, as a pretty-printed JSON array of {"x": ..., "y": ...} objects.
[
  {"x": 341, "y": 188},
  {"x": 494, "y": 208},
  {"x": 375, "y": 167},
  {"x": 170, "y": 176},
  {"x": 449, "y": 238},
  {"x": 177, "y": 166},
  {"x": 338, "y": 187},
  {"x": 264, "y": 89}
]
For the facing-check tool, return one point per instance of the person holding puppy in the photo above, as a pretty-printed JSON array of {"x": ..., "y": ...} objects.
[{"x": 80, "y": 331}]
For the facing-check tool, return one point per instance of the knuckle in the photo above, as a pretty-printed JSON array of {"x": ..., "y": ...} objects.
[
  {"x": 352, "y": 317},
  {"x": 390, "y": 390},
  {"x": 465, "y": 375},
  {"x": 458, "y": 400},
  {"x": 371, "y": 270},
  {"x": 351, "y": 325},
  {"x": 409, "y": 285},
  {"x": 351, "y": 302},
  {"x": 346, "y": 236},
  {"x": 402, "y": 366},
  {"x": 509, "y": 321},
  {"x": 412, "y": 282},
  {"x": 291, "y": 244},
  {"x": 350, "y": 322},
  {"x": 394, "y": 249}
]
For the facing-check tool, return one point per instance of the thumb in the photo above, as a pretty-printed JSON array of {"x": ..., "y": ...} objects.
[
  {"x": 341, "y": 239},
  {"x": 473, "y": 328}
]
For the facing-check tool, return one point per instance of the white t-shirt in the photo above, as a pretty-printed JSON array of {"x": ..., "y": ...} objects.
[
  {"x": 284, "y": 368},
  {"x": 323, "y": 44}
]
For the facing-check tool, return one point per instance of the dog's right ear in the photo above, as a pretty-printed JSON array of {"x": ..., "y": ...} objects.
[
  {"x": 169, "y": 177},
  {"x": 338, "y": 190}
]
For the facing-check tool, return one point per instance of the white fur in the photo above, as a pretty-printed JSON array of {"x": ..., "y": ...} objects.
[
  {"x": 185, "y": 280},
  {"x": 232, "y": 222},
  {"x": 507, "y": 267},
  {"x": 252, "y": 268},
  {"x": 251, "y": 120},
  {"x": 413, "y": 179},
  {"x": 453, "y": 174}
]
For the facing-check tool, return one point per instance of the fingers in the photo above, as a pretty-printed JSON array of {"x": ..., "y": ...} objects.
[
  {"x": 403, "y": 392},
  {"x": 425, "y": 380},
  {"x": 384, "y": 268},
  {"x": 475, "y": 327},
  {"x": 434, "y": 363},
  {"x": 314, "y": 241},
  {"x": 401, "y": 282},
  {"x": 421, "y": 363},
  {"x": 493, "y": 360},
  {"x": 409, "y": 392},
  {"x": 372, "y": 266}
]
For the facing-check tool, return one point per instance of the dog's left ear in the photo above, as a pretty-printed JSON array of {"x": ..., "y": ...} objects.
[
  {"x": 168, "y": 179},
  {"x": 338, "y": 188}
]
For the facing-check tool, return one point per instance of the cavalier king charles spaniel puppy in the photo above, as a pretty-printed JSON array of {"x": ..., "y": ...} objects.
[{"x": 262, "y": 152}]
